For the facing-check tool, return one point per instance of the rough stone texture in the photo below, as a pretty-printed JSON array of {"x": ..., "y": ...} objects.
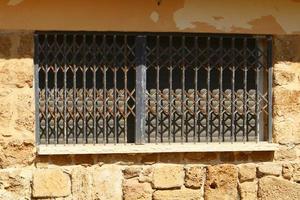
[
  {"x": 221, "y": 182},
  {"x": 16, "y": 114},
  {"x": 50, "y": 183},
  {"x": 107, "y": 182},
  {"x": 15, "y": 184},
  {"x": 194, "y": 176},
  {"x": 296, "y": 174},
  {"x": 168, "y": 176},
  {"x": 132, "y": 171},
  {"x": 182, "y": 194},
  {"x": 287, "y": 171},
  {"x": 286, "y": 153},
  {"x": 286, "y": 102},
  {"x": 274, "y": 169},
  {"x": 248, "y": 190},
  {"x": 16, "y": 73},
  {"x": 277, "y": 188},
  {"x": 133, "y": 189},
  {"x": 81, "y": 182},
  {"x": 16, "y": 153},
  {"x": 146, "y": 175},
  {"x": 16, "y": 126},
  {"x": 247, "y": 172}
]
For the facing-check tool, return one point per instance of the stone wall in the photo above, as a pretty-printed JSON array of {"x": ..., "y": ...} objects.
[{"x": 231, "y": 175}]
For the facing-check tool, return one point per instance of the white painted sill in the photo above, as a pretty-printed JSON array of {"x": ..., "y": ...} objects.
[{"x": 62, "y": 149}]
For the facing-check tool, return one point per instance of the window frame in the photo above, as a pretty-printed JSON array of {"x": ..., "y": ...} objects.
[{"x": 140, "y": 146}]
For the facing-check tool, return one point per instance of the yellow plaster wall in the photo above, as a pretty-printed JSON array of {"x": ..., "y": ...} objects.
[{"x": 230, "y": 16}]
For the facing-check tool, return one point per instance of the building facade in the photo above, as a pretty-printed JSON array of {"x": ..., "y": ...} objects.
[{"x": 98, "y": 99}]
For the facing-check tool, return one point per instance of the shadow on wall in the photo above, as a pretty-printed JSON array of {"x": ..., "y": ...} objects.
[
  {"x": 178, "y": 158},
  {"x": 287, "y": 48},
  {"x": 16, "y": 44}
]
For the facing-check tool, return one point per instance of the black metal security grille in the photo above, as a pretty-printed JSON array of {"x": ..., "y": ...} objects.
[{"x": 95, "y": 87}]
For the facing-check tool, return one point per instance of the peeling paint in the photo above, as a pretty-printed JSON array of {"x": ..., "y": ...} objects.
[
  {"x": 230, "y": 16},
  {"x": 239, "y": 16},
  {"x": 154, "y": 16},
  {"x": 14, "y": 2},
  {"x": 262, "y": 24}
]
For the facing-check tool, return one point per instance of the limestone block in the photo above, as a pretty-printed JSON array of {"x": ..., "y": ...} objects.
[
  {"x": 133, "y": 189},
  {"x": 132, "y": 171},
  {"x": 194, "y": 176},
  {"x": 284, "y": 96},
  {"x": 270, "y": 187},
  {"x": 182, "y": 194},
  {"x": 221, "y": 182},
  {"x": 81, "y": 182},
  {"x": 287, "y": 128},
  {"x": 286, "y": 73},
  {"x": 107, "y": 182},
  {"x": 6, "y": 111},
  {"x": 286, "y": 153},
  {"x": 287, "y": 171},
  {"x": 296, "y": 172},
  {"x": 25, "y": 109},
  {"x": 146, "y": 175},
  {"x": 247, "y": 172},
  {"x": 17, "y": 153},
  {"x": 248, "y": 190},
  {"x": 16, "y": 73},
  {"x": 168, "y": 176},
  {"x": 17, "y": 113},
  {"x": 273, "y": 169},
  {"x": 15, "y": 184},
  {"x": 50, "y": 183}
]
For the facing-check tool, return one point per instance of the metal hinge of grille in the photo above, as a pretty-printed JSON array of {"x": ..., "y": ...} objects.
[{"x": 94, "y": 87}]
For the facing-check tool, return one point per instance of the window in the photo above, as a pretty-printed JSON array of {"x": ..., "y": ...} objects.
[{"x": 100, "y": 88}]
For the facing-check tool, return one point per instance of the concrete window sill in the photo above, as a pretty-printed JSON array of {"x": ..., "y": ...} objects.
[{"x": 153, "y": 148}]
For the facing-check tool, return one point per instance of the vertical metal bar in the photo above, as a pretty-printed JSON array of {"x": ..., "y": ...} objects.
[
  {"x": 270, "y": 82},
  {"x": 221, "y": 93},
  {"x": 94, "y": 93},
  {"x": 55, "y": 104},
  {"x": 157, "y": 94},
  {"x": 55, "y": 96},
  {"x": 126, "y": 88},
  {"x": 183, "y": 91},
  {"x": 257, "y": 66},
  {"x": 115, "y": 91},
  {"x": 74, "y": 94},
  {"x": 84, "y": 91},
  {"x": 37, "y": 89},
  {"x": 233, "y": 91},
  {"x": 208, "y": 96},
  {"x": 140, "y": 89},
  {"x": 170, "y": 88},
  {"x": 245, "y": 113},
  {"x": 65, "y": 91},
  {"x": 46, "y": 90},
  {"x": 196, "y": 89},
  {"x": 104, "y": 91}
]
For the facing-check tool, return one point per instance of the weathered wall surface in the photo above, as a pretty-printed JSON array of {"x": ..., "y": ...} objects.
[
  {"x": 245, "y": 175},
  {"x": 232, "y": 16}
]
